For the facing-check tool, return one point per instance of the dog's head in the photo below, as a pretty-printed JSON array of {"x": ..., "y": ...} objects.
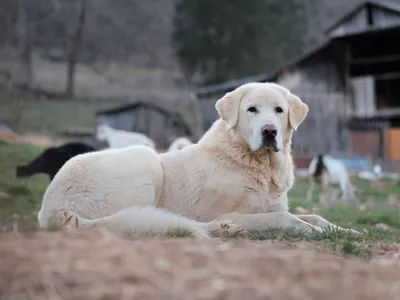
[{"x": 262, "y": 114}]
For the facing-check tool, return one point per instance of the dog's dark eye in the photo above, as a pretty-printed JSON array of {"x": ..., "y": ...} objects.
[
  {"x": 252, "y": 109},
  {"x": 278, "y": 110}
]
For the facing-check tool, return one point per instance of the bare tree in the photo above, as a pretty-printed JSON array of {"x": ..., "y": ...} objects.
[
  {"x": 24, "y": 37},
  {"x": 74, "y": 47}
]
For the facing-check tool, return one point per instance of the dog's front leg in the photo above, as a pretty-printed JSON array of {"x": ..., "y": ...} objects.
[
  {"x": 322, "y": 223},
  {"x": 271, "y": 220}
]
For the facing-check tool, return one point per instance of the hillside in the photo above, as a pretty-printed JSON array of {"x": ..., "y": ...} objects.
[{"x": 127, "y": 56}]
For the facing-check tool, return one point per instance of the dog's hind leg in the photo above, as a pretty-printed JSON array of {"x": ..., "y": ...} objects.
[{"x": 151, "y": 220}]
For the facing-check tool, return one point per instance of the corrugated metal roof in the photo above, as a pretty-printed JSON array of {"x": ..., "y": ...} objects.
[{"x": 386, "y": 5}]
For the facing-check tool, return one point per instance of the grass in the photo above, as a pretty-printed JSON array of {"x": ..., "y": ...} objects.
[
  {"x": 350, "y": 215},
  {"x": 333, "y": 239},
  {"x": 171, "y": 233},
  {"x": 59, "y": 114},
  {"x": 22, "y": 198}
]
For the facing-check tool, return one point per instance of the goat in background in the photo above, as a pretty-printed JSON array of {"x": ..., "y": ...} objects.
[
  {"x": 323, "y": 170},
  {"x": 52, "y": 159},
  {"x": 117, "y": 138}
]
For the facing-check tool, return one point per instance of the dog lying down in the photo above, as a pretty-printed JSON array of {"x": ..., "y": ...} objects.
[{"x": 235, "y": 179}]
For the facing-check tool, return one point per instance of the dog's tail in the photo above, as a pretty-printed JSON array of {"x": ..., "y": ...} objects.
[{"x": 142, "y": 220}]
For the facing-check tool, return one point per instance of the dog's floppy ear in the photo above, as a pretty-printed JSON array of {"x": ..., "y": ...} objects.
[
  {"x": 297, "y": 110},
  {"x": 228, "y": 107}
]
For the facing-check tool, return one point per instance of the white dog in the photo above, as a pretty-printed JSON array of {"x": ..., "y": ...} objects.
[
  {"x": 325, "y": 169},
  {"x": 236, "y": 177},
  {"x": 120, "y": 138},
  {"x": 179, "y": 143}
]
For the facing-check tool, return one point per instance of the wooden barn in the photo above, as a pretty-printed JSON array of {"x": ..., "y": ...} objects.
[
  {"x": 351, "y": 83},
  {"x": 155, "y": 121}
]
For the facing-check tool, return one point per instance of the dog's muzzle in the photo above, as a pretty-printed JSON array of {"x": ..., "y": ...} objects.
[{"x": 269, "y": 133}]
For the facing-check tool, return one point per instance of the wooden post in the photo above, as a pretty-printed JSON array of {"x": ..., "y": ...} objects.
[
  {"x": 347, "y": 60},
  {"x": 147, "y": 120}
]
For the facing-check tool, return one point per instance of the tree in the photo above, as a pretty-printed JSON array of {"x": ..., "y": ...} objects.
[
  {"x": 226, "y": 39},
  {"x": 30, "y": 15},
  {"x": 25, "y": 37},
  {"x": 74, "y": 47}
]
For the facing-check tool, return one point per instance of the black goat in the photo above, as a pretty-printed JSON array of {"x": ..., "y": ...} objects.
[{"x": 52, "y": 159}]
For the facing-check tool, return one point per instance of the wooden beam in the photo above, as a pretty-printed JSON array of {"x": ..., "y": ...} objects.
[
  {"x": 362, "y": 126},
  {"x": 387, "y": 76},
  {"x": 375, "y": 60}
]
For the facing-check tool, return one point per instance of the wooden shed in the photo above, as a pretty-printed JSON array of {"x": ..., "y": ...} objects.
[
  {"x": 155, "y": 121},
  {"x": 353, "y": 75}
]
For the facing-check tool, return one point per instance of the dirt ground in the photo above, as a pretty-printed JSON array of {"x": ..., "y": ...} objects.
[{"x": 95, "y": 265}]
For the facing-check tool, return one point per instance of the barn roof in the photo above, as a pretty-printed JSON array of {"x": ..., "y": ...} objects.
[
  {"x": 135, "y": 105},
  {"x": 263, "y": 77},
  {"x": 229, "y": 85},
  {"x": 272, "y": 76},
  {"x": 389, "y": 6},
  {"x": 154, "y": 106}
]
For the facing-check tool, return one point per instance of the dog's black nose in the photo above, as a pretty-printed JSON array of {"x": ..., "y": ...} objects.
[{"x": 269, "y": 132}]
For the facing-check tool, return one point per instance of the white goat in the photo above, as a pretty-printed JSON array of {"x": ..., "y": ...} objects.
[
  {"x": 325, "y": 169},
  {"x": 179, "y": 143},
  {"x": 120, "y": 138}
]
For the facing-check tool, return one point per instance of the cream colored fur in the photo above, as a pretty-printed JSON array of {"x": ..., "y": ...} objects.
[
  {"x": 179, "y": 143},
  {"x": 229, "y": 175}
]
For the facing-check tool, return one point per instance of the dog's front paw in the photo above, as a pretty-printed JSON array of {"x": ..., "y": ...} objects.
[{"x": 227, "y": 228}]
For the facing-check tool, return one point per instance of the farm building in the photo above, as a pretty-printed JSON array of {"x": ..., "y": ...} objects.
[
  {"x": 155, "y": 121},
  {"x": 351, "y": 83}
]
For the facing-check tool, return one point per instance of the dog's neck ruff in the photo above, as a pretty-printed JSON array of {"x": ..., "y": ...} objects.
[{"x": 221, "y": 141}]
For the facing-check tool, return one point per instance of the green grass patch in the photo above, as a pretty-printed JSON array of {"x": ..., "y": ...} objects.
[
  {"x": 332, "y": 239},
  {"x": 49, "y": 116},
  {"x": 21, "y": 197},
  {"x": 179, "y": 233},
  {"x": 171, "y": 233},
  {"x": 350, "y": 215}
]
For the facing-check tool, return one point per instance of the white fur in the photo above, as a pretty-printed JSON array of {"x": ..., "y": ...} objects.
[
  {"x": 100, "y": 183},
  {"x": 337, "y": 174},
  {"x": 143, "y": 219},
  {"x": 203, "y": 187},
  {"x": 266, "y": 116},
  {"x": 120, "y": 138},
  {"x": 179, "y": 144}
]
